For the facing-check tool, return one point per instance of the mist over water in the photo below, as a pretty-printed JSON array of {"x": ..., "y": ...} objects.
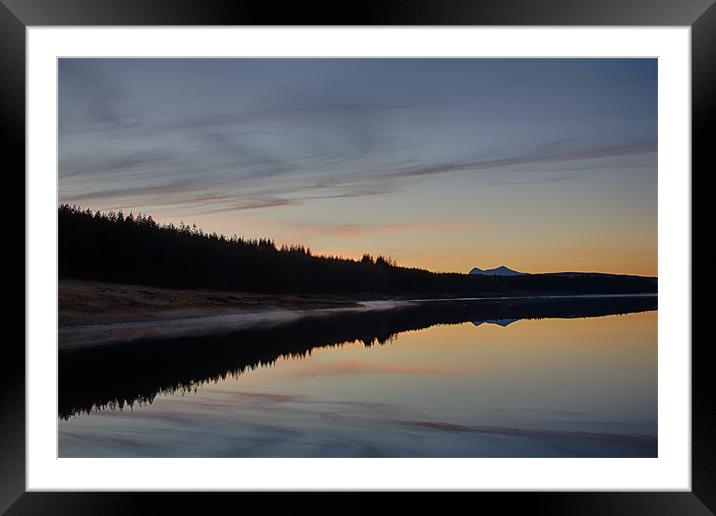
[{"x": 455, "y": 385}]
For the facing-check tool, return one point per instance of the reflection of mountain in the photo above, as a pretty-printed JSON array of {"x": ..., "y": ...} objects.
[
  {"x": 499, "y": 322},
  {"x": 122, "y": 374}
]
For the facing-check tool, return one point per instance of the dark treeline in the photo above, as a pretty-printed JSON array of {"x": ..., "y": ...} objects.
[
  {"x": 123, "y": 374},
  {"x": 131, "y": 249}
]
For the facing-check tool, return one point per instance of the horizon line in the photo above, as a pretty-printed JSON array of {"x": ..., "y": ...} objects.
[{"x": 198, "y": 231}]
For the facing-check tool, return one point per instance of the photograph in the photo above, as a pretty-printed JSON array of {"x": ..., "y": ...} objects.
[
  {"x": 357, "y": 257},
  {"x": 412, "y": 248},
  {"x": 321, "y": 256}
]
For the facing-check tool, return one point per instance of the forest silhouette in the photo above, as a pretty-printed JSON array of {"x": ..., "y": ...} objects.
[{"x": 135, "y": 249}]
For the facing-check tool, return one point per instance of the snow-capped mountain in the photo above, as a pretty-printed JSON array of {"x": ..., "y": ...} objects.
[{"x": 498, "y": 271}]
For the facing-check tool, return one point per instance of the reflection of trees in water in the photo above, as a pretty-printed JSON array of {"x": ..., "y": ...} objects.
[{"x": 121, "y": 375}]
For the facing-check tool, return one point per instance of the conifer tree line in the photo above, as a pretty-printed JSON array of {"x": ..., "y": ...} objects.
[{"x": 135, "y": 249}]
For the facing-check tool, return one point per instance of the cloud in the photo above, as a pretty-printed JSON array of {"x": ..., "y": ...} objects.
[
  {"x": 543, "y": 155},
  {"x": 129, "y": 161},
  {"x": 533, "y": 181},
  {"x": 246, "y": 169},
  {"x": 264, "y": 134},
  {"x": 277, "y": 113},
  {"x": 178, "y": 185},
  {"x": 360, "y": 230},
  {"x": 250, "y": 204},
  {"x": 102, "y": 97}
]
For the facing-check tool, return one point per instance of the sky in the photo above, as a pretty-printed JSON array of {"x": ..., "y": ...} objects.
[{"x": 541, "y": 165}]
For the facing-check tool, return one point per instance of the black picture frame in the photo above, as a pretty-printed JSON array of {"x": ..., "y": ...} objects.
[{"x": 16, "y": 15}]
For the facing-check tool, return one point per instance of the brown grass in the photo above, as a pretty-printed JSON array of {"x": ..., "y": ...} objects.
[{"x": 92, "y": 302}]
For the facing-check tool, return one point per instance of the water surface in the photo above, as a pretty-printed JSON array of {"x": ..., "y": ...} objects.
[{"x": 447, "y": 380}]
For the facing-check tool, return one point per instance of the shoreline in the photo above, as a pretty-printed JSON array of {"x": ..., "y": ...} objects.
[
  {"x": 93, "y": 314},
  {"x": 97, "y": 335},
  {"x": 82, "y": 303}
]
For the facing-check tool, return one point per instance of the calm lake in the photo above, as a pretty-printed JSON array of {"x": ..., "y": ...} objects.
[{"x": 549, "y": 378}]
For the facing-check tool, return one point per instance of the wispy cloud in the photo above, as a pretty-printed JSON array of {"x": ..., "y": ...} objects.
[
  {"x": 539, "y": 157},
  {"x": 102, "y": 98},
  {"x": 360, "y": 230},
  {"x": 131, "y": 161},
  {"x": 223, "y": 140}
]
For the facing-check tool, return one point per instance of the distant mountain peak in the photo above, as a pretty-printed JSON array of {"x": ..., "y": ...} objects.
[{"x": 497, "y": 271}]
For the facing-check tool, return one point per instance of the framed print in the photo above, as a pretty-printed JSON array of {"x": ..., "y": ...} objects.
[{"x": 435, "y": 250}]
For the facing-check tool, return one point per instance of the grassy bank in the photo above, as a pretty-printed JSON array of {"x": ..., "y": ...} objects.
[{"x": 93, "y": 302}]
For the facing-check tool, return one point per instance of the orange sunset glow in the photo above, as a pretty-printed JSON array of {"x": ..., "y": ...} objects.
[{"x": 542, "y": 165}]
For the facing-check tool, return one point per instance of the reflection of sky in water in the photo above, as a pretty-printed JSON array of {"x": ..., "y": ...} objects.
[{"x": 553, "y": 387}]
